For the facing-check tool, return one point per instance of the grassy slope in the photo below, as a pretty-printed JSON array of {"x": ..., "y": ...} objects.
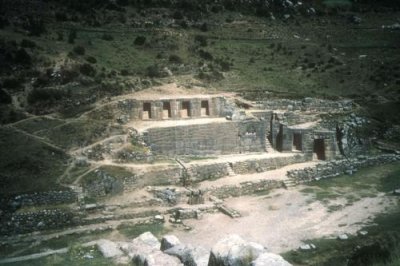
[
  {"x": 364, "y": 183},
  {"x": 27, "y": 164}
]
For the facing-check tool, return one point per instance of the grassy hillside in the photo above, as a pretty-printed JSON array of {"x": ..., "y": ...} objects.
[
  {"x": 58, "y": 59},
  {"x": 28, "y": 164}
]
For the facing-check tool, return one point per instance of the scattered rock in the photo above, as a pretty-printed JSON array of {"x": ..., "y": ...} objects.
[
  {"x": 363, "y": 233},
  {"x": 343, "y": 237},
  {"x": 396, "y": 191},
  {"x": 109, "y": 249},
  {"x": 269, "y": 259},
  {"x": 233, "y": 250},
  {"x": 189, "y": 255},
  {"x": 169, "y": 241}
]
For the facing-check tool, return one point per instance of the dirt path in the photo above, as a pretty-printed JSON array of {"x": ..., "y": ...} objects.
[{"x": 281, "y": 221}]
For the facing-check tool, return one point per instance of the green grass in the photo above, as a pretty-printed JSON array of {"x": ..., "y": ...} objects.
[
  {"x": 365, "y": 183},
  {"x": 36, "y": 124},
  {"x": 337, "y": 3},
  {"x": 75, "y": 256},
  {"x": 78, "y": 133},
  {"x": 28, "y": 165},
  {"x": 132, "y": 231}
]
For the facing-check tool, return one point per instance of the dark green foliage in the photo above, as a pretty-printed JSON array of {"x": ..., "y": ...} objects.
[
  {"x": 91, "y": 59},
  {"x": 79, "y": 50},
  {"x": 177, "y": 15},
  {"x": 155, "y": 71},
  {"x": 107, "y": 37},
  {"x": 26, "y": 43},
  {"x": 46, "y": 95},
  {"x": 205, "y": 55},
  {"x": 12, "y": 83},
  {"x": 201, "y": 40},
  {"x": 204, "y": 27},
  {"x": 22, "y": 57},
  {"x": 5, "y": 97},
  {"x": 140, "y": 40},
  {"x": 175, "y": 59},
  {"x": 87, "y": 70},
  {"x": 34, "y": 25},
  {"x": 72, "y": 36}
]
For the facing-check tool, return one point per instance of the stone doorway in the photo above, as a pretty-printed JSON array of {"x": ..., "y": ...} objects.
[
  {"x": 185, "y": 110},
  {"x": 279, "y": 139},
  {"x": 166, "y": 110},
  {"x": 146, "y": 111},
  {"x": 205, "y": 110},
  {"x": 297, "y": 142},
  {"x": 319, "y": 148}
]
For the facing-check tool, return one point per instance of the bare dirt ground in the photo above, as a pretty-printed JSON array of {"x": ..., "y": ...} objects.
[{"x": 282, "y": 220}]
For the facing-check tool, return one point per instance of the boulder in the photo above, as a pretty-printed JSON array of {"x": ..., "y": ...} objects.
[
  {"x": 169, "y": 241},
  {"x": 145, "y": 250},
  {"x": 233, "y": 250},
  {"x": 147, "y": 239},
  {"x": 269, "y": 259},
  {"x": 189, "y": 255},
  {"x": 156, "y": 258},
  {"x": 109, "y": 249}
]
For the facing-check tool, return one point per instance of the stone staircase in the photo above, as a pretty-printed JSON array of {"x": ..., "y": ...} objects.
[
  {"x": 79, "y": 193},
  {"x": 229, "y": 211},
  {"x": 230, "y": 170},
  {"x": 289, "y": 183},
  {"x": 268, "y": 146}
]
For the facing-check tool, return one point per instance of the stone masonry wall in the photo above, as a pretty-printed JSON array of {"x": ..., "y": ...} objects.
[
  {"x": 245, "y": 188},
  {"x": 20, "y": 223},
  {"x": 45, "y": 198},
  {"x": 340, "y": 167},
  {"x": 262, "y": 165},
  {"x": 307, "y": 104}
]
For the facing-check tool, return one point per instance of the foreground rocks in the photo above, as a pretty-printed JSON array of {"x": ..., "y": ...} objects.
[{"x": 147, "y": 250}]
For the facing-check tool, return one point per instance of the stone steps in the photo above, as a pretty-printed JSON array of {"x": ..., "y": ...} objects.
[
  {"x": 289, "y": 183},
  {"x": 268, "y": 146},
  {"x": 230, "y": 170},
  {"x": 229, "y": 211}
]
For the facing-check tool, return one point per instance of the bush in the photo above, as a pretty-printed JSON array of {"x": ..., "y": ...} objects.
[
  {"x": 91, "y": 59},
  {"x": 155, "y": 71},
  {"x": 204, "y": 27},
  {"x": 22, "y": 57},
  {"x": 87, "y": 70},
  {"x": 46, "y": 95},
  {"x": 72, "y": 36},
  {"x": 175, "y": 59},
  {"x": 205, "y": 55},
  {"x": 5, "y": 97},
  {"x": 35, "y": 26},
  {"x": 12, "y": 83},
  {"x": 140, "y": 40},
  {"x": 28, "y": 44},
  {"x": 201, "y": 40},
  {"x": 107, "y": 37},
  {"x": 79, "y": 50}
]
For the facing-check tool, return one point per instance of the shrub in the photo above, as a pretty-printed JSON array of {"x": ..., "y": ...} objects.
[
  {"x": 35, "y": 26},
  {"x": 22, "y": 57},
  {"x": 12, "y": 83},
  {"x": 79, "y": 50},
  {"x": 201, "y": 40},
  {"x": 5, "y": 97},
  {"x": 45, "y": 95},
  {"x": 28, "y": 44},
  {"x": 205, "y": 55},
  {"x": 204, "y": 27},
  {"x": 139, "y": 40},
  {"x": 91, "y": 59},
  {"x": 175, "y": 59},
  {"x": 155, "y": 71},
  {"x": 107, "y": 37},
  {"x": 72, "y": 36},
  {"x": 177, "y": 15},
  {"x": 87, "y": 70}
]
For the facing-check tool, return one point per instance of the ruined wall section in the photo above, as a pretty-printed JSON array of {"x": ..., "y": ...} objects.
[
  {"x": 203, "y": 139},
  {"x": 307, "y": 104}
]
